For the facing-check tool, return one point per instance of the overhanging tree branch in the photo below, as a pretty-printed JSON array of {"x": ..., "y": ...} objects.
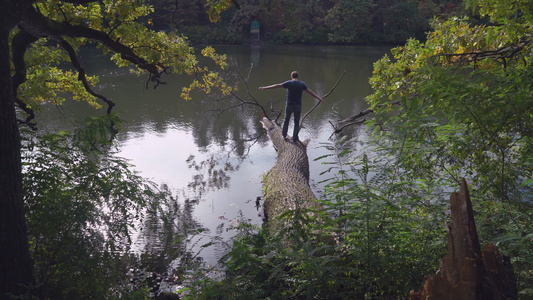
[
  {"x": 82, "y": 76},
  {"x": 34, "y": 26},
  {"x": 38, "y": 25},
  {"x": 503, "y": 53}
]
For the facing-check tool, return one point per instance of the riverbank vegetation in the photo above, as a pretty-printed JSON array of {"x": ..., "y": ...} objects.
[{"x": 458, "y": 105}]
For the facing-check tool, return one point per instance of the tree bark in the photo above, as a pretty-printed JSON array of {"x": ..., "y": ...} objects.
[
  {"x": 286, "y": 185},
  {"x": 466, "y": 272},
  {"x": 16, "y": 266}
]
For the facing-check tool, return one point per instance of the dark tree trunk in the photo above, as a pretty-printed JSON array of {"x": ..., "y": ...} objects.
[
  {"x": 15, "y": 263},
  {"x": 286, "y": 185},
  {"x": 466, "y": 272}
]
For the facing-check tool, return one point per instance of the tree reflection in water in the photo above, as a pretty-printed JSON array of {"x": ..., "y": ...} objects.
[
  {"x": 164, "y": 240},
  {"x": 171, "y": 239}
]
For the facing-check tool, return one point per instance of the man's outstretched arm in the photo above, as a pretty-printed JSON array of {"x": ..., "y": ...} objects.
[
  {"x": 271, "y": 86},
  {"x": 310, "y": 92}
]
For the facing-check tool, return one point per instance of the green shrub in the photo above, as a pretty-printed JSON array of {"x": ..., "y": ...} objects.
[{"x": 81, "y": 206}]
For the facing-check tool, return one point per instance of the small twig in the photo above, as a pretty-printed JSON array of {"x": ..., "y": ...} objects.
[
  {"x": 277, "y": 112},
  {"x": 249, "y": 72},
  {"x": 253, "y": 100}
]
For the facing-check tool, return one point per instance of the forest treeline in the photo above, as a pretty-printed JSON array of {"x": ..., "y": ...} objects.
[{"x": 305, "y": 22}]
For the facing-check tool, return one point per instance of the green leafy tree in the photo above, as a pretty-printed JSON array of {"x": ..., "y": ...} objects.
[
  {"x": 302, "y": 19},
  {"x": 460, "y": 105},
  {"x": 81, "y": 204},
  {"x": 349, "y": 21},
  {"x": 35, "y": 38},
  {"x": 167, "y": 15},
  {"x": 396, "y": 21}
]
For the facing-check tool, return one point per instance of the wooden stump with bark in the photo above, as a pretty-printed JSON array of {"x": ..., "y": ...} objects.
[
  {"x": 286, "y": 185},
  {"x": 467, "y": 272}
]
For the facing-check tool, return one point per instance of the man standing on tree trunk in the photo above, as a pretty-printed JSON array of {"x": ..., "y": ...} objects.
[{"x": 294, "y": 87}]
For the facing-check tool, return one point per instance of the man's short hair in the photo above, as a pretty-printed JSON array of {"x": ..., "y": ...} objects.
[{"x": 294, "y": 74}]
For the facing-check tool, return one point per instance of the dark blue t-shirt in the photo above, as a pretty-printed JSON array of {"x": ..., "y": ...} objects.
[{"x": 294, "y": 91}]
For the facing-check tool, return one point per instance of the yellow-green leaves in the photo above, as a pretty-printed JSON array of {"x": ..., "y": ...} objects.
[
  {"x": 208, "y": 79},
  {"x": 123, "y": 28},
  {"x": 215, "y": 7},
  {"x": 166, "y": 50},
  {"x": 47, "y": 82},
  {"x": 452, "y": 42},
  {"x": 54, "y": 85},
  {"x": 97, "y": 15},
  {"x": 504, "y": 11}
]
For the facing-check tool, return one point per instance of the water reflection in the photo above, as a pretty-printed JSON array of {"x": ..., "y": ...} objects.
[
  {"x": 212, "y": 173},
  {"x": 163, "y": 241},
  {"x": 215, "y": 162}
]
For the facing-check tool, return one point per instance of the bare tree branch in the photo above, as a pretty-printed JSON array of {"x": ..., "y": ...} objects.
[
  {"x": 503, "y": 53},
  {"x": 318, "y": 103},
  {"x": 350, "y": 121},
  {"x": 339, "y": 129},
  {"x": 277, "y": 112},
  {"x": 356, "y": 116},
  {"x": 251, "y": 101}
]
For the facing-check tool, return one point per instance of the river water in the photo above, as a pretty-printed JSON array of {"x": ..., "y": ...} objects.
[{"x": 213, "y": 162}]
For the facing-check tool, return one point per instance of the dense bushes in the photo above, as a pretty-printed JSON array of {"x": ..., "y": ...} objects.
[
  {"x": 376, "y": 238},
  {"x": 379, "y": 235},
  {"x": 82, "y": 205}
]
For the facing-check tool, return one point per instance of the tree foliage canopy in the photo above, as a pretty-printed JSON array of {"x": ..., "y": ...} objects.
[
  {"x": 51, "y": 33},
  {"x": 465, "y": 101}
]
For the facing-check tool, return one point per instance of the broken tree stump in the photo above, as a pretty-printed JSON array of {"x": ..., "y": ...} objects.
[
  {"x": 286, "y": 185},
  {"x": 466, "y": 272}
]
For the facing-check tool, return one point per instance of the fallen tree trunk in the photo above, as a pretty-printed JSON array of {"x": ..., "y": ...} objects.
[
  {"x": 286, "y": 185},
  {"x": 466, "y": 272}
]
